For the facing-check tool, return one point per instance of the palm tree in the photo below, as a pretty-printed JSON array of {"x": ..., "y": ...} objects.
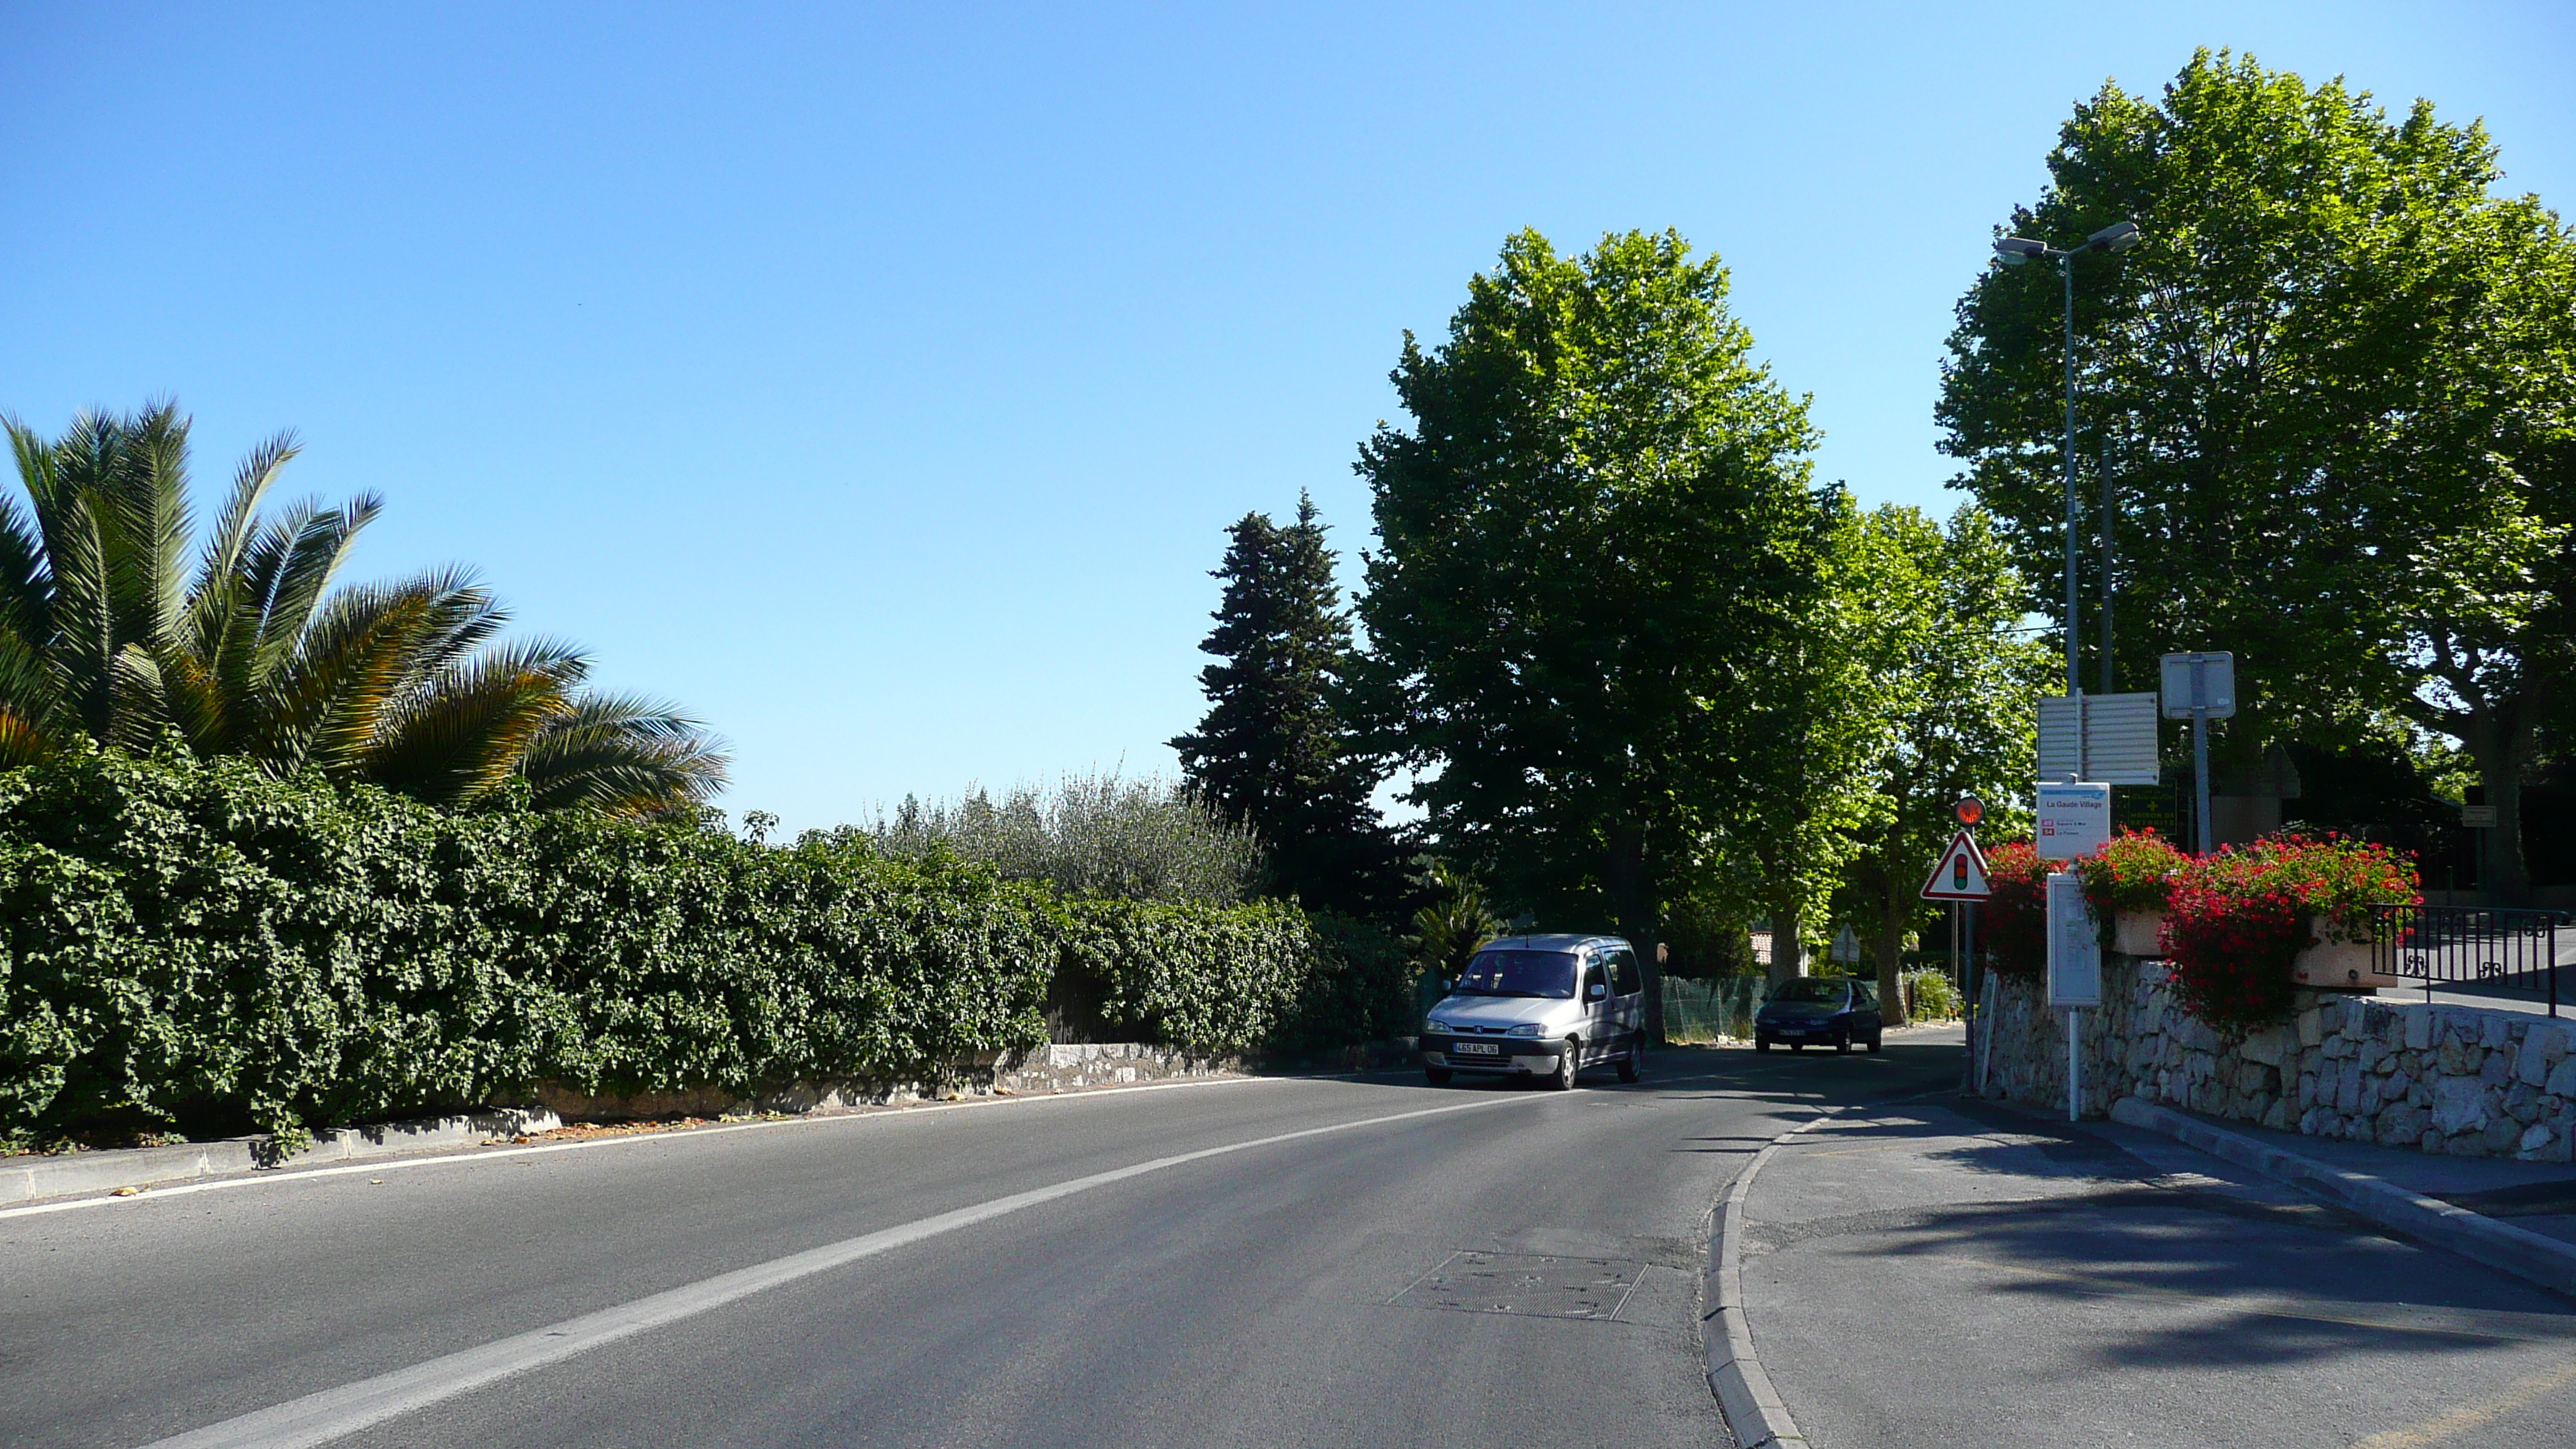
[
  {"x": 1447, "y": 932},
  {"x": 104, "y": 635}
]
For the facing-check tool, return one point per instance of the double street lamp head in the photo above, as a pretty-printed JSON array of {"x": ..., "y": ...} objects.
[{"x": 2117, "y": 237}]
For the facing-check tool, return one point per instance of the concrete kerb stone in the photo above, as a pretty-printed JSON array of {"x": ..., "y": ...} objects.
[
  {"x": 1752, "y": 1407},
  {"x": 2519, "y": 1251},
  {"x": 24, "y": 1179}
]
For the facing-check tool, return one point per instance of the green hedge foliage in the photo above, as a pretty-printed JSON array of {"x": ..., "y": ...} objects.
[{"x": 196, "y": 946}]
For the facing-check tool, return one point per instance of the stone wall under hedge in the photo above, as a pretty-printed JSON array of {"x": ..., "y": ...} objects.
[{"x": 2466, "y": 1081}]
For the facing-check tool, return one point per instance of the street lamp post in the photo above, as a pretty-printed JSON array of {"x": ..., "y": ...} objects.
[{"x": 2015, "y": 250}]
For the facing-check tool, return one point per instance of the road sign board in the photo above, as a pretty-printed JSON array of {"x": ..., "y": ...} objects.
[
  {"x": 1846, "y": 947},
  {"x": 2478, "y": 817},
  {"x": 2200, "y": 683},
  {"x": 1960, "y": 873},
  {"x": 2072, "y": 820}
]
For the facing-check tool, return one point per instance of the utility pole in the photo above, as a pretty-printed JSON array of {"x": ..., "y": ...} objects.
[
  {"x": 2074, "y": 652},
  {"x": 2107, "y": 516},
  {"x": 2016, "y": 250}
]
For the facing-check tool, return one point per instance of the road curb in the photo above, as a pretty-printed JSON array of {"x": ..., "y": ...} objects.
[
  {"x": 27, "y": 1179},
  {"x": 2519, "y": 1251},
  {"x": 1752, "y": 1407}
]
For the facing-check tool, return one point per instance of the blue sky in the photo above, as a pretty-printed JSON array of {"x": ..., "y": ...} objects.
[{"x": 878, "y": 383}]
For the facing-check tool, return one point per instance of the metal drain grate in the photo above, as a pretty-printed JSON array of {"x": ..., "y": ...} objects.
[{"x": 1540, "y": 1287}]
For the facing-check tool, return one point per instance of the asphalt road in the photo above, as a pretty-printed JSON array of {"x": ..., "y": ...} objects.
[{"x": 1488, "y": 1265}]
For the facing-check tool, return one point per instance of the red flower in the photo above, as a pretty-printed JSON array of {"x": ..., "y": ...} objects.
[
  {"x": 2012, "y": 925},
  {"x": 2237, "y": 920}
]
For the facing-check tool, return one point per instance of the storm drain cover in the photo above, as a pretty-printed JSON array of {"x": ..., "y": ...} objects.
[{"x": 1542, "y": 1287}]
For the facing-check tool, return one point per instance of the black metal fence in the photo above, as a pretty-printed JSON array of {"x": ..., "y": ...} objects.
[{"x": 2513, "y": 952}]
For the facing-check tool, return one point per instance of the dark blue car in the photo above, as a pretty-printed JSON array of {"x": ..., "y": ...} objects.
[{"x": 1823, "y": 1010}]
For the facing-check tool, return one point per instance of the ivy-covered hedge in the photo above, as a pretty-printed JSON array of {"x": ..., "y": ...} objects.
[{"x": 195, "y": 946}]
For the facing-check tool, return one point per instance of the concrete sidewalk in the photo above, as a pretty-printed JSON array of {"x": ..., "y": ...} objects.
[{"x": 1953, "y": 1273}]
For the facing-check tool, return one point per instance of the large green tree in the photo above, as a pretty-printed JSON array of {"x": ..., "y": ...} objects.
[
  {"x": 1954, "y": 684},
  {"x": 108, "y": 635},
  {"x": 1591, "y": 539},
  {"x": 1273, "y": 753},
  {"x": 1798, "y": 789},
  {"x": 2336, "y": 384}
]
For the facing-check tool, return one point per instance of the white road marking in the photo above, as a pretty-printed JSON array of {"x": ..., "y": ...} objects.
[
  {"x": 278, "y": 1177},
  {"x": 321, "y": 1417}
]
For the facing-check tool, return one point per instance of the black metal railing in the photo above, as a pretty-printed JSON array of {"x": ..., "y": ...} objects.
[{"x": 2485, "y": 949}]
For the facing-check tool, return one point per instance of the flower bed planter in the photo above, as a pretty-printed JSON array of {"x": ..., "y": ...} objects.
[
  {"x": 2127, "y": 885},
  {"x": 2339, "y": 966},
  {"x": 2139, "y": 933},
  {"x": 2253, "y": 924}
]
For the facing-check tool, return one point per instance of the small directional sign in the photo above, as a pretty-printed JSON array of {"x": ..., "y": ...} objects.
[{"x": 1961, "y": 873}]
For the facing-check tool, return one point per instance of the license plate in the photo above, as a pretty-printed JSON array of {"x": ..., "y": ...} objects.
[{"x": 1476, "y": 1049}]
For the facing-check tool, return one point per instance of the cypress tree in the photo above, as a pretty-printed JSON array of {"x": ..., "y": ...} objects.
[{"x": 1273, "y": 753}]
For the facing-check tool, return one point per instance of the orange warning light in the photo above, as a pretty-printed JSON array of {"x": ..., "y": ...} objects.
[{"x": 1971, "y": 809}]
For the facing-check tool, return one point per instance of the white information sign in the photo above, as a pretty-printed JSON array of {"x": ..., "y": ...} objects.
[
  {"x": 2074, "y": 949},
  {"x": 2073, "y": 820}
]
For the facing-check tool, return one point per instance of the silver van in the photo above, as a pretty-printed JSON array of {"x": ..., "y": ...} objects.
[{"x": 1540, "y": 1006}]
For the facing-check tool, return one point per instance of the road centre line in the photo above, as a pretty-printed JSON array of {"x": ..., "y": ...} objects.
[
  {"x": 318, "y": 1418},
  {"x": 276, "y": 1177},
  {"x": 330, "y": 1414}
]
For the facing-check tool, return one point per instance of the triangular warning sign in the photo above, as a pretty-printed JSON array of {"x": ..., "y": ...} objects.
[{"x": 1961, "y": 873}]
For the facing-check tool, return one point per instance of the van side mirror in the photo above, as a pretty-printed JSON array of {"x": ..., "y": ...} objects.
[{"x": 1598, "y": 991}]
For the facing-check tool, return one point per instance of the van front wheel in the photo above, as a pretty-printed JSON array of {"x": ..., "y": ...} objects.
[{"x": 1569, "y": 1060}]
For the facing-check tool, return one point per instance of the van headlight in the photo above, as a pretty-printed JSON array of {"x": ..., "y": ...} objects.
[
  {"x": 1439, "y": 1028},
  {"x": 1527, "y": 1028}
]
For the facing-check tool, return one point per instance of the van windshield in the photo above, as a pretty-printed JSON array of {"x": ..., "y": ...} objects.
[{"x": 1519, "y": 973}]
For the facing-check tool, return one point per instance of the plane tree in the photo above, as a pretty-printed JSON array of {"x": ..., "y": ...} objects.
[
  {"x": 2336, "y": 385},
  {"x": 1954, "y": 683},
  {"x": 1596, "y": 538}
]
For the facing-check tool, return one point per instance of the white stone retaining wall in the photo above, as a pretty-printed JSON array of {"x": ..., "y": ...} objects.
[
  {"x": 1064, "y": 1067},
  {"x": 1057, "y": 1068},
  {"x": 2466, "y": 1081}
]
